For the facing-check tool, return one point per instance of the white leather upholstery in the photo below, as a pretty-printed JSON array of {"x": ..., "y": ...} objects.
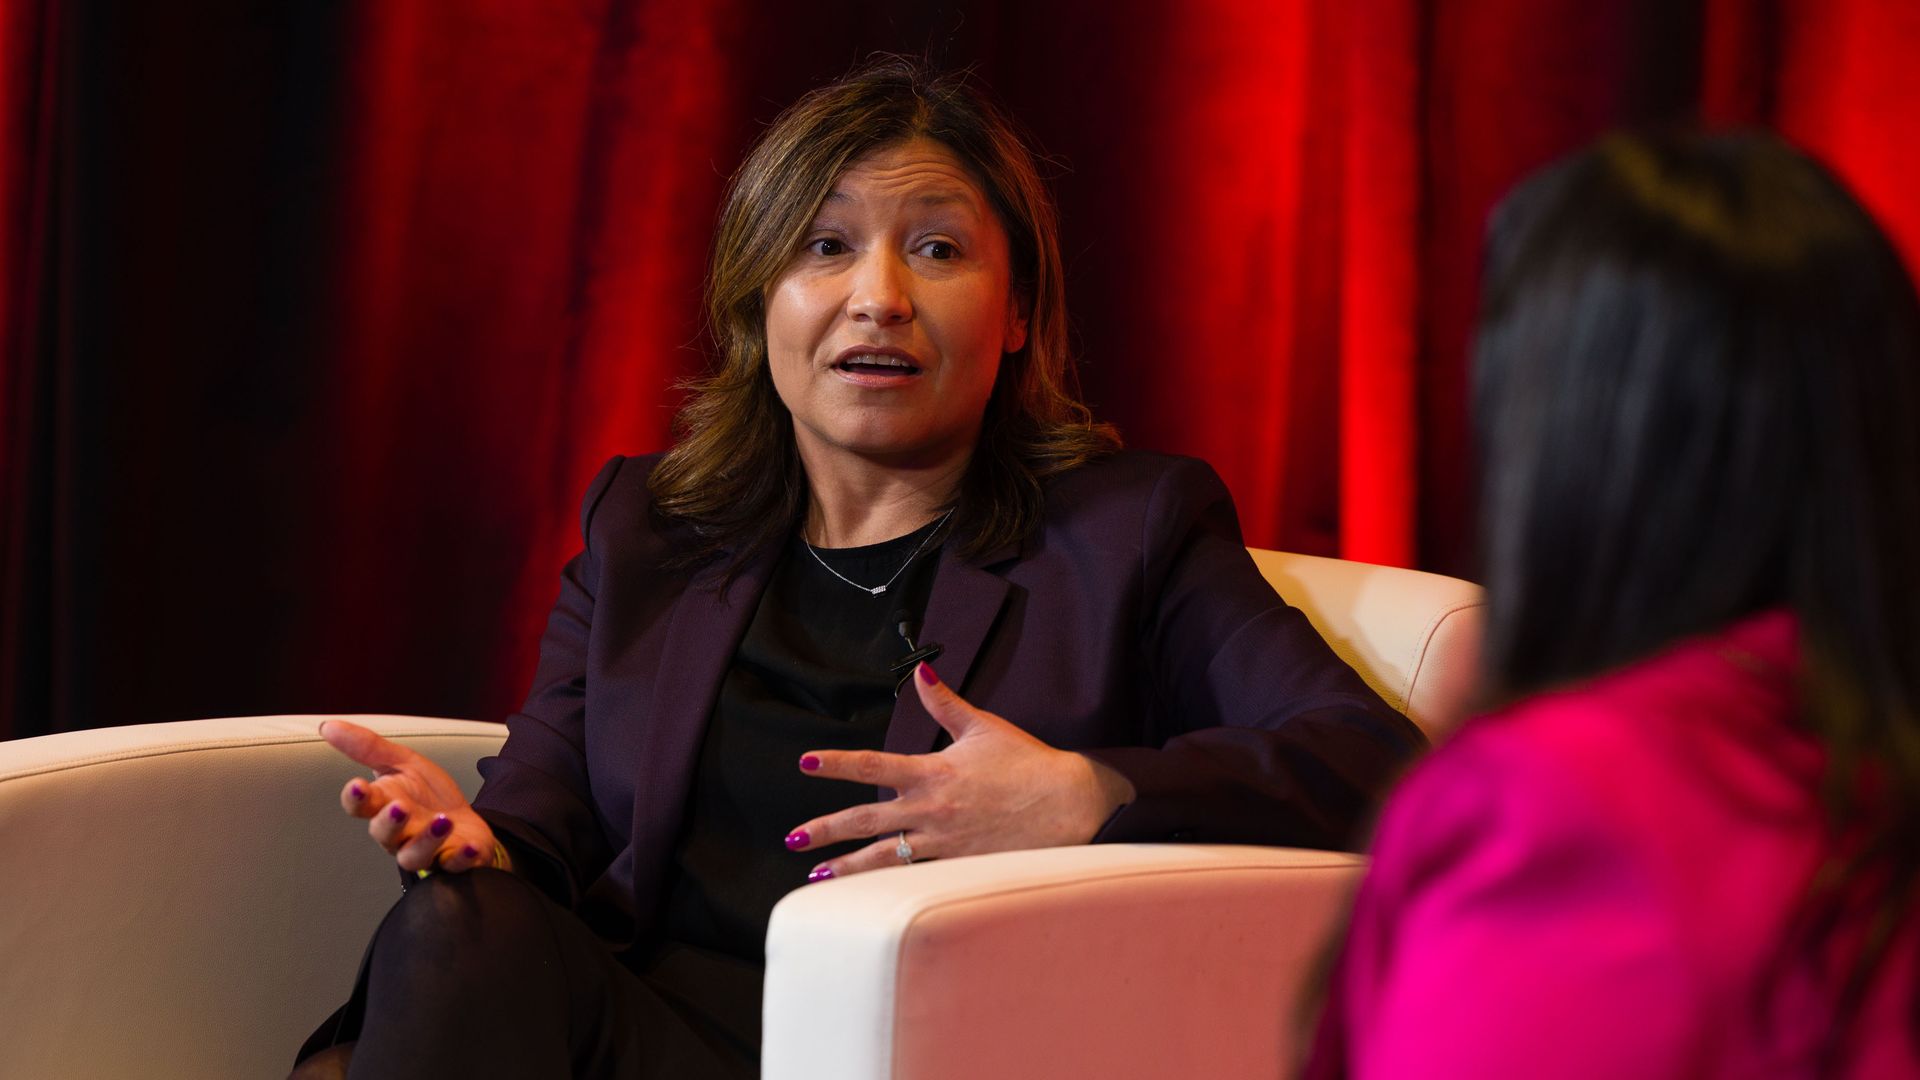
[
  {"x": 1115, "y": 961},
  {"x": 187, "y": 900},
  {"x": 1414, "y": 636}
]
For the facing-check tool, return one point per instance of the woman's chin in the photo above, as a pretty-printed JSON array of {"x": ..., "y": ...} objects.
[
  {"x": 894, "y": 449},
  {"x": 919, "y": 427}
]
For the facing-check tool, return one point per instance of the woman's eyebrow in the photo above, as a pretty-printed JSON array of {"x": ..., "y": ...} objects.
[
  {"x": 945, "y": 198},
  {"x": 939, "y": 197}
]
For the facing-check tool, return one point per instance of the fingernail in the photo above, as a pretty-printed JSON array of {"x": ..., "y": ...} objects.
[
  {"x": 354, "y": 789},
  {"x": 926, "y": 674},
  {"x": 470, "y": 851},
  {"x": 442, "y": 825},
  {"x": 810, "y": 763},
  {"x": 820, "y": 873},
  {"x": 798, "y": 839},
  {"x": 396, "y": 813}
]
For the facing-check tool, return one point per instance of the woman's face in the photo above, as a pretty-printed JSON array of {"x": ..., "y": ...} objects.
[{"x": 885, "y": 332}]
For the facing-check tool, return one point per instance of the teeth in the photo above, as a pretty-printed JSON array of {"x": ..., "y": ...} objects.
[{"x": 878, "y": 360}]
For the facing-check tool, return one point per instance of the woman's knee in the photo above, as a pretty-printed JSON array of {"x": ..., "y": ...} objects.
[
  {"x": 462, "y": 961},
  {"x": 459, "y": 920}
]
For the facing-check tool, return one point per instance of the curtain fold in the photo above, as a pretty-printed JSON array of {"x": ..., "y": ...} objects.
[
  {"x": 1382, "y": 224},
  {"x": 35, "y": 646},
  {"x": 315, "y": 318}
]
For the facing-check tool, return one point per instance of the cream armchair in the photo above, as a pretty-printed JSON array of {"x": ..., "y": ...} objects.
[
  {"x": 185, "y": 900},
  {"x": 1126, "y": 961}
]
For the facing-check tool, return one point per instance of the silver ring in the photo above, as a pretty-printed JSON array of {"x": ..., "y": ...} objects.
[{"x": 904, "y": 849}]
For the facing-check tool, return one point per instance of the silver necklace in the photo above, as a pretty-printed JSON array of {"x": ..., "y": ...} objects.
[{"x": 877, "y": 590}]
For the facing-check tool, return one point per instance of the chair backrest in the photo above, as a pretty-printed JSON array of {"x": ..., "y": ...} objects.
[
  {"x": 1414, "y": 636},
  {"x": 188, "y": 899}
]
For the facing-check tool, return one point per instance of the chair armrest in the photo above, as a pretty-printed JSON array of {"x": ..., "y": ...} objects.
[
  {"x": 187, "y": 899},
  {"x": 1120, "y": 960},
  {"x": 1414, "y": 636}
]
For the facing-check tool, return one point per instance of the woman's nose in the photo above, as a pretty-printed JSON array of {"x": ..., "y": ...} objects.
[{"x": 880, "y": 290}]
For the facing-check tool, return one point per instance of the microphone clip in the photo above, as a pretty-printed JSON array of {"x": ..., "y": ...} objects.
[{"x": 903, "y": 668}]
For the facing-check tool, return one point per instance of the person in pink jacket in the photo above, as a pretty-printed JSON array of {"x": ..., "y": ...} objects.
[{"x": 1685, "y": 844}]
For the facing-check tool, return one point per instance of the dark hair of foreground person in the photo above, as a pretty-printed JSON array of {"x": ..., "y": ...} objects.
[{"x": 1695, "y": 384}]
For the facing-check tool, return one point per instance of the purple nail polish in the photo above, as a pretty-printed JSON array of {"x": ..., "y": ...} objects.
[
  {"x": 356, "y": 791},
  {"x": 470, "y": 851},
  {"x": 442, "y": 825},
  {"x": 810, "y": 763},
  {"x": 396, "y": 813},
  {"x": 798, "y": 839},
  {"x": 926, "y": 674},
  {"x": 820, "y": 873}
]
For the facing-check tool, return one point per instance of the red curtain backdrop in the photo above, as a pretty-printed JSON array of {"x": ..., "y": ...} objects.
[{"x": 315, "y": 318}]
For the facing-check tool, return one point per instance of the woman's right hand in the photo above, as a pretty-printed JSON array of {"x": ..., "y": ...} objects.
[{"x": 413, "y": 808}]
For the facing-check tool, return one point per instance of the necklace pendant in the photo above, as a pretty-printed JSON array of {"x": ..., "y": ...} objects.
[{"x": 880, "y": 589}]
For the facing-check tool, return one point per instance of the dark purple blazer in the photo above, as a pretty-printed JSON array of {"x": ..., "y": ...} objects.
[{"x": 1132, "y": 625}]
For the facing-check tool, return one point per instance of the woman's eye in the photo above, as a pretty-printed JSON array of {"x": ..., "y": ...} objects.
[
  {"x": 826, "y": 245},
  {"x": 938, "y": 249}
]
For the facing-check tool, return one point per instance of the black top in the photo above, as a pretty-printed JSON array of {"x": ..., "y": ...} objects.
[{"x": 812, "y": 673}]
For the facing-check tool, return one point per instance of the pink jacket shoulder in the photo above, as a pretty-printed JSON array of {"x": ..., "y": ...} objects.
[{"x": 1592, "y": 884}]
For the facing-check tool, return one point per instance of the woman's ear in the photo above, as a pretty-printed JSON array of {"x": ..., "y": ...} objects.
[{"x": 1016, "y": 334}]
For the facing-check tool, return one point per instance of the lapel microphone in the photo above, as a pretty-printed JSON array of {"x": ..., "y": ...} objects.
[{"x": 908, "y": 626}]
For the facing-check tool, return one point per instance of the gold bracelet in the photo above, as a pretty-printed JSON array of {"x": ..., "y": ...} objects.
[{"x": 501, "y": 861}]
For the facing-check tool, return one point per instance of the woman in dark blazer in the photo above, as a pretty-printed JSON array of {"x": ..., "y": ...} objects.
[{"x": 887, "y": 476}]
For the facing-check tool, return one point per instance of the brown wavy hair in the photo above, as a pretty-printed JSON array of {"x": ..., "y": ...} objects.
[{"x": 734, "y": 474}]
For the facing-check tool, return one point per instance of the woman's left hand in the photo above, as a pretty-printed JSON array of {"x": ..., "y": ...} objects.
[{"x": 996, "y": 788}]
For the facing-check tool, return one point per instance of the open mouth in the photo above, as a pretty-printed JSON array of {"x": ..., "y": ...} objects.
[{"x": 877, "y": 364}]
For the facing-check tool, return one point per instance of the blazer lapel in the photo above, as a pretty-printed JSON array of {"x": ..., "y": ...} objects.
[
  {"x": 966, "y": 599},
  {"x": 706, "y": 627}
]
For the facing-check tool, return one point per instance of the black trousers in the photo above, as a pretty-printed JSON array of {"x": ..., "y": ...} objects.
[{"x": 481, "y": 975}]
